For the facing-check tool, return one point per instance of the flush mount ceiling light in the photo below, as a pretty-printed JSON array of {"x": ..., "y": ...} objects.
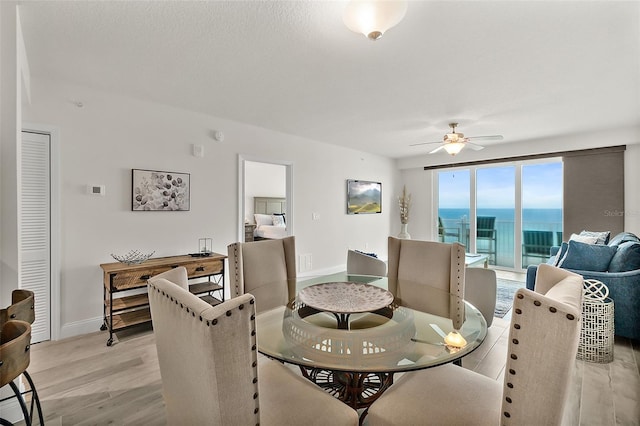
[{"x": 373, "y": 17}]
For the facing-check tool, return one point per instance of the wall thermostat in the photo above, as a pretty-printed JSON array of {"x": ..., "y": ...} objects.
[{"x": 96, "y": 190}]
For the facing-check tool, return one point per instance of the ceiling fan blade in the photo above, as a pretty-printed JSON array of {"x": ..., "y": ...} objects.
[
  {"x": 437, "y": 149},
  {"x": 486, "y": 138},
  {"x": 424, "y": 143},
  {"x": 474, "y": 146}
]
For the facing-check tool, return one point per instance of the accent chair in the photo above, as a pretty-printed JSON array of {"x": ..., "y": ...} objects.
[{"x": 359, "y": 263}]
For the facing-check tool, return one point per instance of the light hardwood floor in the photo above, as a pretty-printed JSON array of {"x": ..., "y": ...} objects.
[{"x": 81, "y": 381}]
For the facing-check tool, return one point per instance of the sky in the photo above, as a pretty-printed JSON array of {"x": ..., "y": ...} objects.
[{"x": 541, "y": 187}]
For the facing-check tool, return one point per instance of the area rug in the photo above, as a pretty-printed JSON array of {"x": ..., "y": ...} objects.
[{"x": 504, "y": 295}]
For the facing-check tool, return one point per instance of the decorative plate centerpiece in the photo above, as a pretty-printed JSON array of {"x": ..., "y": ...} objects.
[
  {"x": 345, "y": 297},
  {"x": 134, "y": 257}
]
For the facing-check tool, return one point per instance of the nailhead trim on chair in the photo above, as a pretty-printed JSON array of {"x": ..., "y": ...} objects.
[
  {"x": 236, "y": 268},
  {"x": 515, "y": 341},
  {"x": 213, "y": 322}
]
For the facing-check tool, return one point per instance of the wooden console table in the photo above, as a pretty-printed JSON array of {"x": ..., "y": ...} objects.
[{"x": 125, "y": 311}]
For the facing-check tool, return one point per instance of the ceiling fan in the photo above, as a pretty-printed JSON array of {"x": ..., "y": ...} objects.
[{"x": 454, "y": 142}]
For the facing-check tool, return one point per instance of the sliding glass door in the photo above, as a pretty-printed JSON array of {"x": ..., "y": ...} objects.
[
  {"x": 454, "y": 206},
  {"x": 510, "y": 212},
  {"x": 541, "y": 211},
  {"x": 495, "y": 219}
]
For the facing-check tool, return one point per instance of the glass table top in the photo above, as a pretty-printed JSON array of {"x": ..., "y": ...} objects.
[{"x": 392, "y": 339}]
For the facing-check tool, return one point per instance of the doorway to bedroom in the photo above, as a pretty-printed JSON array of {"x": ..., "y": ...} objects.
[{"x": 265, "y": 202}]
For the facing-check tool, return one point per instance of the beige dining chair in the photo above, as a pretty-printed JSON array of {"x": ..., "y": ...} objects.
[
  {"x": 177, "y": 276},
  {"x": 543, "y": 343},
  {"x": 266, "y": 269},
  {"x": 210, "y": 371},
  {"x": 480, "y": 290},
  {"x": 359, "y": 263},
  {"x": 414, "y": 264}
]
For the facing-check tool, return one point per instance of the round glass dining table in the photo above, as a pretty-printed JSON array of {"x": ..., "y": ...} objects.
[{"x": 356, "y": 362}]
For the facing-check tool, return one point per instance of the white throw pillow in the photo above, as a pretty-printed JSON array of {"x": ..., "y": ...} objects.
[
  {"x": 263, "y": 219},
  {"x": 278, "y": 220},
  {"x": 583, "y": 239},
  {"x": 602, "y": 236}
]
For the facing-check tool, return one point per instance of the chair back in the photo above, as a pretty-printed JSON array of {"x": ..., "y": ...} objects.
[
  {"x": 543, "y": 344},
  {"x": 22, "y": 307},
  {"x": 177, "y": 276},
  {"x": 15, "y": 354},
  {"x": 537, "y": 242},
  {"x": 266, "y": 269},
  {"x": 485, "y": 226},
  {"x": 363, "y": 264},
  {"x": 207, "y": 356},
  {"x": 414, "y": 264},
  {"x": 480, "y": 288}
]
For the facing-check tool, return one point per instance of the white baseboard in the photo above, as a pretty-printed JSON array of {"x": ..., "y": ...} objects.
[{"x": 80, "y": 327}]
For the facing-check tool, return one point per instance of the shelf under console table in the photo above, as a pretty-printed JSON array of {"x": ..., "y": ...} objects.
[{"x": 122, "y": 311}]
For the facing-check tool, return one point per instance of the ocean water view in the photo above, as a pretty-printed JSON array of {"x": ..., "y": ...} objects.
[{"x": 500, "y": 244}]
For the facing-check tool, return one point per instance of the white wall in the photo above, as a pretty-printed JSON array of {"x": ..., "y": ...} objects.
[
  {"x": 102, "y": 141},
  {"x": 632, "y": 189},
  {"x": 420, "y": 185},
  {"x": 11, "y": 89}
]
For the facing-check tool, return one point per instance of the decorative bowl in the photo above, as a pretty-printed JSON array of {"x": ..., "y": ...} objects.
[{"x": 133, "y": 257}]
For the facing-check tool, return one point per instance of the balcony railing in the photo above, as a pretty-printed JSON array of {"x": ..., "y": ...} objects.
[{"x": 504, "y": 244}]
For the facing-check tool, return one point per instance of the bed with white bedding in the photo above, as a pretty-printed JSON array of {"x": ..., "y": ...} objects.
[{"x": 269, "y": 215}]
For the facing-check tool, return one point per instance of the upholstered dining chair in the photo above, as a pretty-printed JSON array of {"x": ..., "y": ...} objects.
[
  {"x": 177, "y": 276},
  {"x": 210, "y": 370},
  {"x": 266, "y": 269},
  {"x": 543, "y": 343},
  {"x": 414, "y": 264},
  {"x": 359, "y": 263},
  {"x": 480, "y": 290}
]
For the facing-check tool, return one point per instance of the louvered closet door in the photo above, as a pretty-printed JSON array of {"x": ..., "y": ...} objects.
[{"x": 35, "y": 229}]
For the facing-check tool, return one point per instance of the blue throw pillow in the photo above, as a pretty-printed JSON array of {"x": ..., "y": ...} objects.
[
  {"x": 623, "y": 237},
  {"x": 627, "y": 258},
  {"x": 587, "y": 257},
  {"x": 560, "y": 254}
]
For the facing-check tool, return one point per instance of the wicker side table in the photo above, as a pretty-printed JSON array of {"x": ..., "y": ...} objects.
[{"x": 597, "y": 333}]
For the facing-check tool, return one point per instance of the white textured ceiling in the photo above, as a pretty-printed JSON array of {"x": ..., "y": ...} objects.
[{"x": 526, "y": 70}]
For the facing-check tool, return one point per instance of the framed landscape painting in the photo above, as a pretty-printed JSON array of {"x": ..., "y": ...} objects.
[
  {"x": 159, "y": 191},
  {"x": 364, "y": 197}
]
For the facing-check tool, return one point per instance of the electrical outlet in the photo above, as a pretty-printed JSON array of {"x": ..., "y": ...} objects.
[
  {"x": 315, "y": 216},
  {"x": 305, "y": 262}
]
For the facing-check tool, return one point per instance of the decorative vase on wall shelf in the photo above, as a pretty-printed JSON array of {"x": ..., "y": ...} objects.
[{"x": 403, "y": 232}]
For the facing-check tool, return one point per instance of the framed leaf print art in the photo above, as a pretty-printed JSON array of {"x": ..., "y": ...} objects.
[{"x": 159, "y": 191}]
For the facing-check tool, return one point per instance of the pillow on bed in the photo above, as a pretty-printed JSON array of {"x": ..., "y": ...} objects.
[
  {"x": 278, "y": 220},
  {"x": 263, "y": 219}
]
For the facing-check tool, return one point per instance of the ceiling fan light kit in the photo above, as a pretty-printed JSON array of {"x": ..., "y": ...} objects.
[
  {"x": 454, "y": 142},
  {"x": 373, "y": 17},
  {"x": 453, "y": 147}
]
